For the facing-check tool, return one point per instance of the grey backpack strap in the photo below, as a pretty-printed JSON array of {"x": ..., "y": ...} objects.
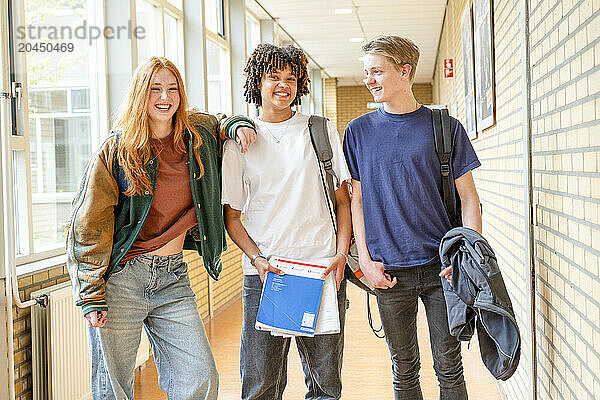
[{"x": 320, "y": 140}]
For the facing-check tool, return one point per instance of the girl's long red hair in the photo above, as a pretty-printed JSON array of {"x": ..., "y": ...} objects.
[{"x": 134, "y": 150}]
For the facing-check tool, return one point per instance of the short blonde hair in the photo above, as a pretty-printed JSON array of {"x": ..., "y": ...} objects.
[{"x": 398, "y": 50}]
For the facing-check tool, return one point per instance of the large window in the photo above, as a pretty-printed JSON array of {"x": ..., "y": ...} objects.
[
  {"x": 162, "y": 23},
  {"x": 214, "y": 16},
  {"x": 61, "y": 114},
  {"x": 218, "y": 66},
  {"x": 218, "y": 78},
  {"x": 252, "y": 33},
  {"x": 59, "y": 118}
]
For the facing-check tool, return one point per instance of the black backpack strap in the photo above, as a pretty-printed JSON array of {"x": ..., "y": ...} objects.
[
  {"x": 443, "y": 148},
  {"x": 319, "y": 137}
]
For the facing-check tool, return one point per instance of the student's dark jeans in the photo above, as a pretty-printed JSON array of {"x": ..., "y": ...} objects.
[
  {"x": 263, "y": 357},
  {"x": 398, "y": 311}
]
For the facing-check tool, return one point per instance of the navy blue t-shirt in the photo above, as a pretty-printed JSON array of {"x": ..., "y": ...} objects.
[{"x": 394, "y": 158}]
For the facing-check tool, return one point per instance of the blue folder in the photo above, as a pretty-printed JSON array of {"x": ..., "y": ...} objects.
[{"x": 290, "y": 303}]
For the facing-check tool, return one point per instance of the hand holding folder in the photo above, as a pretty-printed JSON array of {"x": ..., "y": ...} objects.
[{"x": 299, "y": 302}]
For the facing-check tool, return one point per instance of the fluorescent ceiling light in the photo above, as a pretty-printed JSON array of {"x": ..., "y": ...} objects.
[
  {"x": 356, "y": 40},
  {"x": 342, "y": 11}
]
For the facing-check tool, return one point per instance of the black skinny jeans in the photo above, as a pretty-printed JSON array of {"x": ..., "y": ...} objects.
[{"x": 398, "y": 311}]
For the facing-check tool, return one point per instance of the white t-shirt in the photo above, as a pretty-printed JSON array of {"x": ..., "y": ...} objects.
[{"x": 277, "y": 186}]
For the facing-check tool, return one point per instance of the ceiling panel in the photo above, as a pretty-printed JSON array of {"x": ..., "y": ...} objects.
[{"x": 325, "y": 35}]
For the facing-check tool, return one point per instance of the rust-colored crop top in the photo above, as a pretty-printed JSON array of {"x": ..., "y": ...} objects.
[{"x": 172, "y": 212}]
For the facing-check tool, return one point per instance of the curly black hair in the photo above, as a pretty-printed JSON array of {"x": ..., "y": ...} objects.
[{"x": 265, "y": 59}]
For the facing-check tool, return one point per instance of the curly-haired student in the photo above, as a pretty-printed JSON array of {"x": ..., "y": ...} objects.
[
  {"x": 151, "y": 190},
  {"x": 276, "y": 184}
]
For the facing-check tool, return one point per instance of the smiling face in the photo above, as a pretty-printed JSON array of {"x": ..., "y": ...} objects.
[
  {"x": 383, "y": 79},
  {"x": 278, "y": 88},
  {"x": 163, "y": 100}
]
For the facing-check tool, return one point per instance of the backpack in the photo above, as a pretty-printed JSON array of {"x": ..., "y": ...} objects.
[
  {"x": 443, "y": 148},
  {"x": 317, "y": 126},
  {"x": 320, "y": 140},
  {"x": 319, "y": 137}
]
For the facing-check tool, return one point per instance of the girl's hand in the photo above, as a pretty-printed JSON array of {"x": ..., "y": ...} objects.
[
  {"x": 263, "y": 266},
  {"x": 338, "y": 264},
  {"x": 245, "y": 136},
  {"x": 96, "y": 318}
]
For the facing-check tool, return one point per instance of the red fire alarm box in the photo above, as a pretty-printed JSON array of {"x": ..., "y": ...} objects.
[{"x": 448, "y": 68}]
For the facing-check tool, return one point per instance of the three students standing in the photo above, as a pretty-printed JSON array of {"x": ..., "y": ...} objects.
[{"x": 154, "y": 189}]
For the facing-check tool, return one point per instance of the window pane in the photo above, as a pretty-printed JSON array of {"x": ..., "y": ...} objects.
[
  {"x": 80, "y": 99},
  {"x": 20, "y": 203},
  {"x": 44, "y": 101},
  {"x": 151, "y": 42},
  {"x": 68, "y": 150},
  {"x": 217, "y": 74},
  {"x": 177, "y": 3},
  {"x": 60, "y": 120},
  {"x": 210, "y": 15},
  {"x": 171, "y": 42},
  {"x": 213, "y": 15},
  {"x": 252, "y": 34}
]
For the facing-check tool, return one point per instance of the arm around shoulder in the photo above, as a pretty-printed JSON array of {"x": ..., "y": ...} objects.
[
  {"x": 237, "y": 127},
  {"x": 228, "y": 126}
]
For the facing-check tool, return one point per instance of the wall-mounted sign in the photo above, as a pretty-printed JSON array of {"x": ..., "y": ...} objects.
[
  {"x": 448, "y": 68},
  {"x": 372, "y": 106}
]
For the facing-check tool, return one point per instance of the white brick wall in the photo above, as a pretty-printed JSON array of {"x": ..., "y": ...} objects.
[
  {"x": 565, "y": 103},
  {"x": 565, "y": 49}
]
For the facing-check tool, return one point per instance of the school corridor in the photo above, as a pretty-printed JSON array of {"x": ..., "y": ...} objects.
[
  {"x": 523, "y": 77},
  {"x": 366, "y": 371}
]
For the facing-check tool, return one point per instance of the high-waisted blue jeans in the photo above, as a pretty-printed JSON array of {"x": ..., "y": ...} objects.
[
  {"x": 263, "y": 357},
  {"x": 398, "y": 311},
  {"x": 153, "y": 292}
]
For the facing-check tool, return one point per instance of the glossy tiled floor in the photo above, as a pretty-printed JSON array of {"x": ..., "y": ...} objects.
[{"x": 366, "y": 372}]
